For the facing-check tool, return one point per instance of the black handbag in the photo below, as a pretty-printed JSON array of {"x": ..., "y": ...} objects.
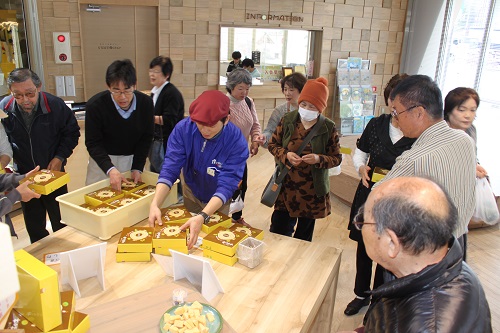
[
  {"x": 157, "y": 154},
  {"x": 273, "y": 187}
]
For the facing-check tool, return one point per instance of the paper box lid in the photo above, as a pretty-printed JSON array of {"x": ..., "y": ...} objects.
[
  {"x": 178, "y": 214},
  {"x": 136, "y": 239},
  {"x": 67, "y": 310},
  {"x": 103, "y": 195},
  {"x": 39, "y": 299},
  {"x": 169, "y": 235},
  {"x": 217, "y": 219},
  {"x": 81, "y": 323},
  {"x": 129, "y": 185},
  {"x": 250, "y": 231},
  {"x": 150, "y": 189},
  {"x": 223, "y": 240},
  {"x": 99, "y": 209},
  {"x": 127, "y": 199},
  {"x": 20, "y": 322},
  {"x": 47, "y": 181}
]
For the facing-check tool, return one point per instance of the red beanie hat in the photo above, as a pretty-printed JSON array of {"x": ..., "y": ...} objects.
[
  {"x": 210, "y": 107},
  {"x": 315, "y": 92}
]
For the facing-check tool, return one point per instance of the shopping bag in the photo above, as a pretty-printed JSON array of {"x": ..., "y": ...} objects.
[
  {"x": 156, "y": 155},
  {"x": 271, "y": 190},
  {"x": 236, "y": 204},
  {"x": 486, "y": 206}
]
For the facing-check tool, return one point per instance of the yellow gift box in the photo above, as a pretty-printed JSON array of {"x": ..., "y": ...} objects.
[
  {"x": 127, "y": 199},
  {"x": 22, "y": 323},
  {"x": 67, "y": 311},
  {"x": 169, "y": 236},
  {"x": 166, "y": 250},
  {"x": 228, "y": 260},
  {"x": 223, "y": 240},
  {"x": 103, "y": 195},
  {"x": 250, "y": 231},
  {"x": 99, "y": 209},
  {"x": 148, "y": 190},
  {"x": 47, "y": 181},
  {"x": 129, "y": 186},
  {"x": 81, "y": 323},
  {"x": 217, "y": 219},
  {"x": 39, "y": 299},
  {"x": 136, "y": 239},
  {"x": 178, "y": 214},
  {"x": 345, "y": 150},
  {"x": 378, "y": 174},
  {"x": 133, "y": 256}
]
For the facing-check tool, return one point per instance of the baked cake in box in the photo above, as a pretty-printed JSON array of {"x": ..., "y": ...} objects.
[
  {"x": 47, "y": 181},
  {"x": 147, "y": 190},
  {"x": 99, "y": 209},
  {"x": 251, "y": 232},
  {"x": 169, "y": 236},
  {"x": 136, "y": 239},
  {"x": 127, "y": 199},
  {"x": 133, "y": 256},
  {"x": 217, "y": 219},
  {"x": 178, "y": 215},
  {"x": 228, "y": 260},
  {"x": 103, "y": 195},
  {"x": 129, "y": 186},
  {"x": 166, "y": 251},
  {"x": 223, "y": 240}
]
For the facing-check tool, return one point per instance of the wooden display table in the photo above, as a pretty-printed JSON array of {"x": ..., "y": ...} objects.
[{"x": 292, "y": 290}]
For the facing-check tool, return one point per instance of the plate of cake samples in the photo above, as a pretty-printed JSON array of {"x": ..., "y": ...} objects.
[{"x": 191, "y": 317}]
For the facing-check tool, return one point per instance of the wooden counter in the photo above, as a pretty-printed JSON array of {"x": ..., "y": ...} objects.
[{"x": 292, "y": 290}]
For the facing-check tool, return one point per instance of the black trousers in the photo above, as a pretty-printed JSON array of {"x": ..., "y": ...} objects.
[
  {"x": 35, "y": 214},
  {"x": 283, "y": 224},
  {"x": 241, "y": 191},
  {"x": 364, "y": 272}
]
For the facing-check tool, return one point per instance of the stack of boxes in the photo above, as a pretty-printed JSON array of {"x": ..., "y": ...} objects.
[
  {"x": 135, "y": 244},
  {"x": 217, "y": 220},
  {"x": 221, "y": 245},
  {"x": 41, "y": 307},
  {"x": 169, "y": 237}
]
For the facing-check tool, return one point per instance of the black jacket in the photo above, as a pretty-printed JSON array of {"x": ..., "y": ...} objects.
[
  {"x": 54, "y": 132},
  {"x": 169, "y": 105},
  {"x": 445, "y": 297}
]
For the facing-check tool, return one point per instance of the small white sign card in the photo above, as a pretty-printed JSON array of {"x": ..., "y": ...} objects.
[
  {"x": 83, "y": 263},
  {"x": 198, "y": 271}
]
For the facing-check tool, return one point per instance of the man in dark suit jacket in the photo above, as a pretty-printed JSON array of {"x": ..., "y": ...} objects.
[{"x": 168, "y": 101}]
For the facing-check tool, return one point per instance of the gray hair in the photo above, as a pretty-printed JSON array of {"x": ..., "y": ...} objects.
[
  {"x": 237, "y": 76},
  {"x": 19, "y": 75},
  {"x": 417, "y": 228}
]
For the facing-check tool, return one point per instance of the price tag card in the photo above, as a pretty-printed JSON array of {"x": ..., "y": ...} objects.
[{"x": 51, "y": 259}]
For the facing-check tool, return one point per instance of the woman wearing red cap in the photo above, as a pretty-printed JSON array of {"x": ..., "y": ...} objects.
[
  {"x": 304, "y": 196},
  {"x": 211, "y": 153}
]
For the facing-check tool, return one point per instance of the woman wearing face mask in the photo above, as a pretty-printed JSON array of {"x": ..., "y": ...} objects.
[
  {"x": 460, "y": 106},
  {"x": 304, "y": 196}
]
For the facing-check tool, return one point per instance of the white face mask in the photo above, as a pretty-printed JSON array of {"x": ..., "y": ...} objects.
[{"x": 308, "y": 115}]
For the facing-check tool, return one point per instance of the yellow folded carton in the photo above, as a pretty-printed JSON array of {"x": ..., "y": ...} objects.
[
  {"x": 99, "y": 209},
  {"x": 81, "y": 323},
  {"x": 136, "y": 239},
  {"x": 17, "y": 321},
  {"x": 218, "y": 219},
  {"x": 169, "y": 235},
  {"x": 133, "y": 256},
  {"x": 228, "y": 260},
  {"x": 103, "y": 195},
  {"x": 345, "y": 150},
  {"x": 147, "y": 190},
  {"x": 379, "y": 174},
  {"x": 127, "y": 199},
  {"x": 223, "y": 240},
  {"x": 47, "y": 181},
  {"x": 39, "y": 299},
  {"x": 166, "y": 251},
  {"x": 178, "y": 214},
  {"x": 67, "y": 312},
  {"x": 129, "y": 186},
  {"x": 250, "y": 231}
]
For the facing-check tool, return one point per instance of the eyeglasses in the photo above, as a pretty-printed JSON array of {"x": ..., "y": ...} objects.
[
  {"x": 124, "y": 93},
  {"x": 29, "y": 94},
  {"x": 358, "y": 219},
  {"x": 395, "y": 113}
]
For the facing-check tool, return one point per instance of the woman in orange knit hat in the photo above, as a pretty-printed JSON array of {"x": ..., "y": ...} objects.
[{"x": 304, "y": 196}]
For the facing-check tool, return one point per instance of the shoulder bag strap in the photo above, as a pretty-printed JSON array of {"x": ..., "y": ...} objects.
[{"x": 308, "y": 138}]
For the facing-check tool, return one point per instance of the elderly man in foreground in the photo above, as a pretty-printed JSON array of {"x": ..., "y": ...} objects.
[{"x": 407, "y": 225}]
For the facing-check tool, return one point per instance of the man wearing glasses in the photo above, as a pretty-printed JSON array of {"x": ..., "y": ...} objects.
[
  {"x": 429, "y": 288},
  {"x": 119, "y": 127},
  {"x": 440, "y": 152},
  {"x": 43, "y": 132}
]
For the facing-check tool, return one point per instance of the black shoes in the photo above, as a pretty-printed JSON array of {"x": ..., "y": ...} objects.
[{"x": 355, "y": 305}]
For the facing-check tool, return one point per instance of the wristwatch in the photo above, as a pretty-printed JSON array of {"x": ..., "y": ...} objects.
[{"x": 206, "y": 217}]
